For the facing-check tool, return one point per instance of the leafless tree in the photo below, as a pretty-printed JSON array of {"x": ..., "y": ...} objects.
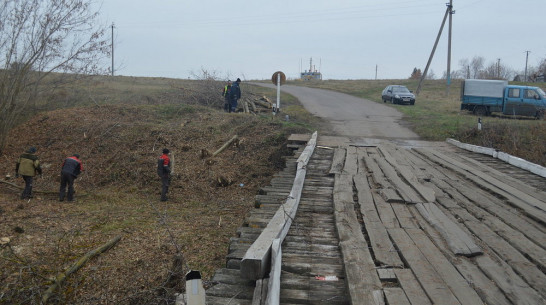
[
  {"x": 476, "y": 66},
  {"x": 496, "y": 70},
  {"x": 37, "y": 39}
]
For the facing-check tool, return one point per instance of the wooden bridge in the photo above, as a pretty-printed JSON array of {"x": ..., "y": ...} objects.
[{"x": 379, "y": 223}]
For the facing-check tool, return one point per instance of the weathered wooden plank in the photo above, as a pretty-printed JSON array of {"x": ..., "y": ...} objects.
[
  {"x": 391, "y": 195},
  {"x": 407, "y": 174},
  {"x": 386, "y": 274},
  {"x": 404, "y": 216},
  {"x": 459, "y": 242},
  {"x": 449, "y": 274},
  {"x": 532, "y": 250},
  {"x": 292, "y": 296},
  {"x": 508, "y": 253},
  {"x": 260, "y": 292},
  {"x": 515, "y": 288},
  {"x": 532, "y": 191},
  {"x": 274, "y": 285},
  {"x": 379, "y": 179},
  {"x": 362, "y": 280},
  {"x": 396, "y": 296},
  {"x": 531, "y": 206},
  {"x": 414, "y": 292},
  {"x": 363, "y": 188},
  {"x": 433, "y": 284},
  {"x": 485, "y": 288},
  {"x": 351, "y": 161},
  {"x": 338, "y": 161},
  {"x": 406, "y": 191},
  {"x": 231, "y": 291},
  {"x": 231, "y": 276},
  {"x": 463, "y": 193},
  {"x": 212, "y": 300},
  {"x": 309, "y": 268},
  {"x": 383, "y": 248},
  {"x": 384, "y": 209}
]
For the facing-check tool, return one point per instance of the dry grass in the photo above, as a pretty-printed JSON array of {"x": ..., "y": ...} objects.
[{"x": 119, "y": 133}]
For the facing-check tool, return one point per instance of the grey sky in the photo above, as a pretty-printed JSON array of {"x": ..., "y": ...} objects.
[{"x": 251, "y": 39}]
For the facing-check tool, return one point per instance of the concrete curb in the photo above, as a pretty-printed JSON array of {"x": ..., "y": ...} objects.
[{"x": 518, "y": 162}]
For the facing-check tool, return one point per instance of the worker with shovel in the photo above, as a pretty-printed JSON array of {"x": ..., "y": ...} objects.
[
  {"x": 71, "y": 168},
  {"x": 27, "y": 166}
]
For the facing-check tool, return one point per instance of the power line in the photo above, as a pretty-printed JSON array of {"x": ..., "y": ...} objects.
[{"x": 349, "y": 13}]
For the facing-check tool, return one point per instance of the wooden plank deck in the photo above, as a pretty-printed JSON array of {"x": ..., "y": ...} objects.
[{"x": 358, "y": 221}]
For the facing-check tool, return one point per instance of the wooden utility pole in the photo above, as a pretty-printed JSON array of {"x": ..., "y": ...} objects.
[
  {"x": 526, "y": 61},
  {"x": 112, "y": 49},
  {"x": 451, "y": 12},
  {"x": 433, "y": 50}
]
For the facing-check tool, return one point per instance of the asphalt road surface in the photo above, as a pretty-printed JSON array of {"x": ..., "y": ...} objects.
[{"x": 350, "y": 116}]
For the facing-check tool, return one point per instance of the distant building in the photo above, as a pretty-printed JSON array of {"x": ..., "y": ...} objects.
[{"x": 312, "y": 74}]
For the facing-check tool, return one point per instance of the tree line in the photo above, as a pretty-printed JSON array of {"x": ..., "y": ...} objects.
[{"x": 476, "y": 68}]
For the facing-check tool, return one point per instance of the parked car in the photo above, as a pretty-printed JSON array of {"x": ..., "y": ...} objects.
[{"x": 397, "y": 94}]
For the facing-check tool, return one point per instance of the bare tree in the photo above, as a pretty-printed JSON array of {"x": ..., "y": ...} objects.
[
  {"x": 476, "y": 66},
  {"x": 416, "y": 74},
  {"x": 496, "y": 70},
  {"x": 38, "y": 38},
  {"x": 431, "y": 75},
  {"x": 465, "y": 68}
]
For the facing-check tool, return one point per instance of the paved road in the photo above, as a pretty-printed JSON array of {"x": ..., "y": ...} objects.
[{"x": 351, "y": 116}]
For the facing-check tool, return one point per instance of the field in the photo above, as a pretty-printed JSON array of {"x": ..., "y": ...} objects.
[{"x": 118, "y": 126}]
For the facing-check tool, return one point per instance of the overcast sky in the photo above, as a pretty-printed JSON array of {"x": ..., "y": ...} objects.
[{"x": 346, "y": 39}]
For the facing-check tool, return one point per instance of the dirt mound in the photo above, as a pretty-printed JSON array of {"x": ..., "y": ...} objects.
[{"x": 118, "y": 195}]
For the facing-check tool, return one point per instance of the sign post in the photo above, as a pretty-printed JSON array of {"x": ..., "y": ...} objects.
[{"x": 278, "y": 79}]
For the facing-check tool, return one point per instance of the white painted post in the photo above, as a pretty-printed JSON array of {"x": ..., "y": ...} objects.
[
  {"x": 479, "y": 123},
  {"x": 195, "y": 293},
  {"x": 278, "y": 92}
]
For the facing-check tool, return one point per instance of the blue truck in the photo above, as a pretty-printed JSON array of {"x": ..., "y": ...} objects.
[{"x": 484, "y": 97}]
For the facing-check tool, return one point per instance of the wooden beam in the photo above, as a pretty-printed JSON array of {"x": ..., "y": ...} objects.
[
  {"x": 362, "y": 280},
  {"x": 458, "y": 241},
  {"x": 274, "y": 287},
  {"x": 256, "y": 261}
]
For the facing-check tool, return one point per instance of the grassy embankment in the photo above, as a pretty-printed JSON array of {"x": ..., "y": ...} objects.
[{"x": 437, "y": 116}]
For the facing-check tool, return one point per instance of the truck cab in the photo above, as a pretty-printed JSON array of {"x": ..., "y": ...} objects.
[{"x": 523, "y": 100}]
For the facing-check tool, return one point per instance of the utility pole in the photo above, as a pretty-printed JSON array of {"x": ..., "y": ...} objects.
[
  {"x": 498, "y": 68},
  {"x": 526, "y": 61},
  {"x": 433, "y": 50},
  {"x": 451, "y": 12},
  {"x": 376, "y": 72},
  {"x": 112, "y": 49}
]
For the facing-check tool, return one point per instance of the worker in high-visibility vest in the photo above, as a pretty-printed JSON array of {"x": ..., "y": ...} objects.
[{"x": 225, "y": 94}]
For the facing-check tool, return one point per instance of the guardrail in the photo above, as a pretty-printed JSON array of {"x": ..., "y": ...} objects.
[{"x": 518, "y": 162}]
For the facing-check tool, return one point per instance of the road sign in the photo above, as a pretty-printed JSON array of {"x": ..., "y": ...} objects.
[{"x": 275, "y": 77}]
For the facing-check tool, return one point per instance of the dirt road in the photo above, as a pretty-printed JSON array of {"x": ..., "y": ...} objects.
[{"x": 353, "y": 117}]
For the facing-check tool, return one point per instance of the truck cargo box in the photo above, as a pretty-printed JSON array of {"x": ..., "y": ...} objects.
[{"x": 484, "y": 87}]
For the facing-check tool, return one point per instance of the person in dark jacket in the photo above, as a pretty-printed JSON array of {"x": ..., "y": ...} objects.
[
  {"x": 164, "y": 172},
  {"x": 234, "y": 95},
  {"x": 71, "y": 168},
  {"x": 225, "y": 94},
  {"x": 27, "y": 166}
]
